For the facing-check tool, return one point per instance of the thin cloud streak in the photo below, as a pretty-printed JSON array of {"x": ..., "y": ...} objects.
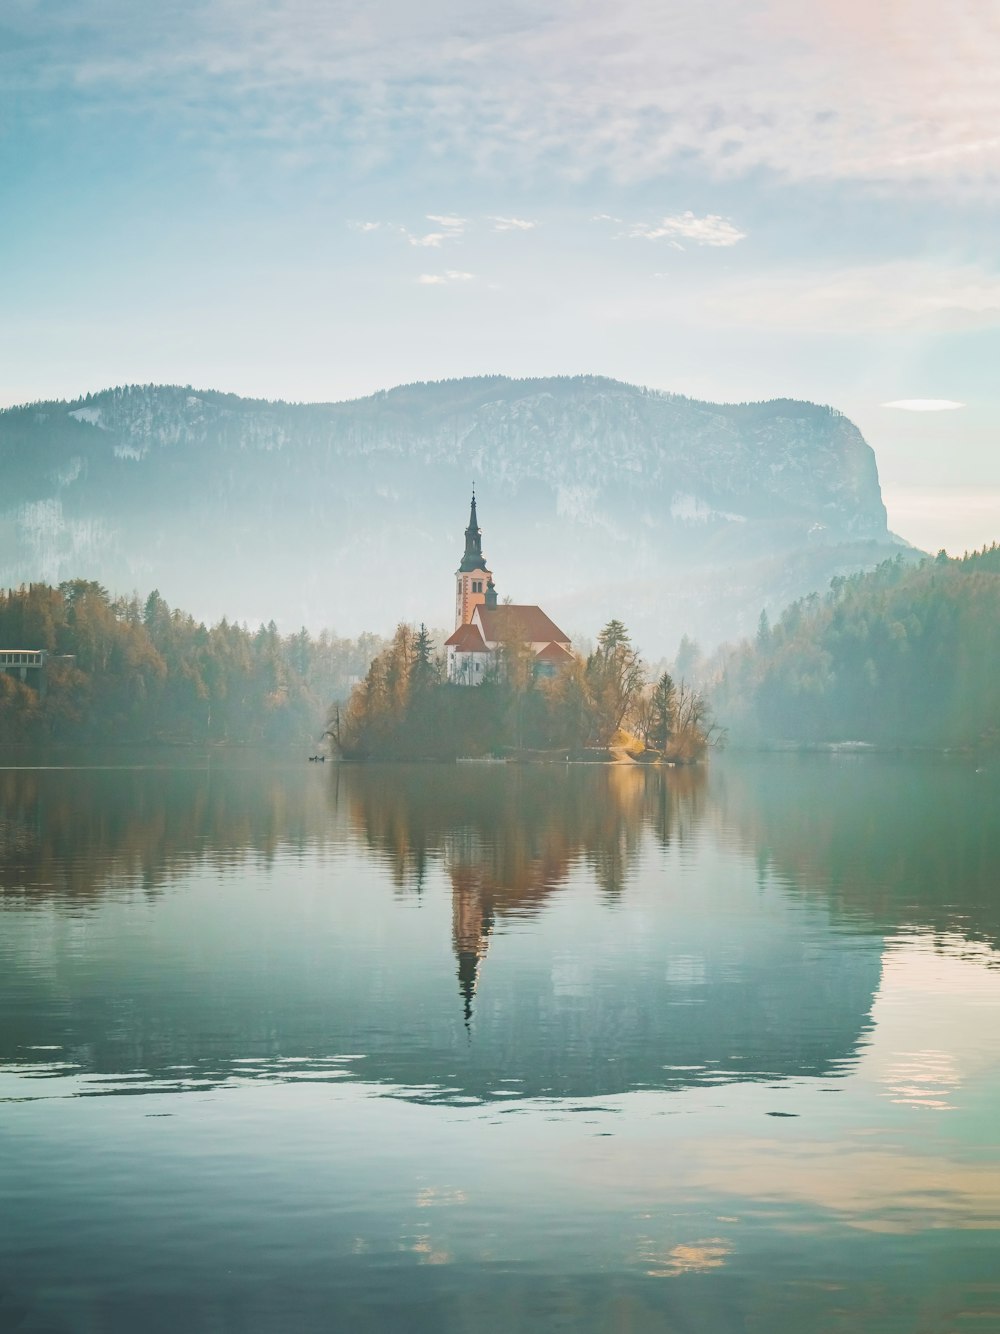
[
  {"x": 924, "y": 404},
  {"x": 453, "y": 230},
  {"x": 711, "y": 230},
  {"x": 443, "y": 279},
  {"x": 513, "y": 225},
  {"x": 450, "y": 224},
  {"x": 433, "y": 238}
]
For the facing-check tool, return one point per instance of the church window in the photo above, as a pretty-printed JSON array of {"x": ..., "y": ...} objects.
[{"x": 477, "y": 585}]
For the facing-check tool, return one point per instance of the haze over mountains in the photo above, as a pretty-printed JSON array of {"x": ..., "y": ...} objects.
[{"x": 596, "y": 498}]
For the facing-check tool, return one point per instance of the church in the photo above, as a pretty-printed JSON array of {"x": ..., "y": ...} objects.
[{"x": 482, "y": 626}]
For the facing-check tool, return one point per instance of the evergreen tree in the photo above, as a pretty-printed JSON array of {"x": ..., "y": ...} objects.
[
  {"x": 132, "y": 669},
  {"x": 662, "y": 719},
  {"x": 616, "y": 675},
  {"x": 423, "y": 671},
  {"x": 901, "y": 655},
  {"x": 688, "y": 660}
]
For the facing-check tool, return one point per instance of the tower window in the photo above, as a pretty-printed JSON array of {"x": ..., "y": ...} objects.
[{"x": 477, "y": 585}]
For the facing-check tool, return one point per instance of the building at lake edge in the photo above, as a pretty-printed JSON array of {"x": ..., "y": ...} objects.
[{"x": 483, "y": 625}]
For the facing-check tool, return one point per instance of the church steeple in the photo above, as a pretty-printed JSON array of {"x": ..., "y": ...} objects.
[
  {"x": 473, "y": 558},
  {"x": 472, "y": 919},
  {"x": 472, "y": 576}
]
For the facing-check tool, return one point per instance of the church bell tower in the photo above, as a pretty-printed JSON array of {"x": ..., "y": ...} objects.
[{"x": 473, "y": 581}]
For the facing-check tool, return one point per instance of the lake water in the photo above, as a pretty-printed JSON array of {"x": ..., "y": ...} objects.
[{"x": 491, "y": 1048}]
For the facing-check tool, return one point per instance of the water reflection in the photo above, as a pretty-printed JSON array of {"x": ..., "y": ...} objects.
[
  {"x": 75, "y": 829},
  {"x": 629, "y": 996},
  {"x": 509, "y": 837},
  {"x": 629, "y": 945},
  {"x": 894, "y": 841}
]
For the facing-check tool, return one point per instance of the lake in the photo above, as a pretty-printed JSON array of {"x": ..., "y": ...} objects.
[{"x": 499, "y": 1048}]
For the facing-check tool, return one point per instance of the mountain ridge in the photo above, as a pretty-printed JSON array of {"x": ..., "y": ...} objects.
[{"x": 600, "y": 496}]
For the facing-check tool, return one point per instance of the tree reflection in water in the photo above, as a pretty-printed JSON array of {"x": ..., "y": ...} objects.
[
  {"x": 127, "y": 819},
  {"x": 509, "y": 836},
  {"x": 659, "y": 927}
]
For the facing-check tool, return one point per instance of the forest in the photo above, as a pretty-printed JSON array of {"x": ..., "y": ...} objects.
[
  {"x": 405, "y": 708},
  {"x": 127, "y": 669},
  {"x": 903, "y": 656}
]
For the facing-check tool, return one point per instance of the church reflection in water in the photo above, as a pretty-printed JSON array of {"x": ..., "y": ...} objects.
[
  {"x": 510, "y": 836},
  {"x": 562, "y": 931},
  {"x": 696, "y": 966}
]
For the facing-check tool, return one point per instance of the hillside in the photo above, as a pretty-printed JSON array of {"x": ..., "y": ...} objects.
[
  {"x": 597, "y": 498},
  {"x": 133, "y": 670},
  {"x": 900, "y": 656}
]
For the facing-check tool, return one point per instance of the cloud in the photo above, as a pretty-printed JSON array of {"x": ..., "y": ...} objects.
[
  {"x": 450, "y": 224},
  {"x": 711, "y": 230},
  {"x": 453, "y": 229},
  {"x": 833, "y": 91},
  {"x": 924, "y": 404},
  {"x": 512, "y": 224},
  {"x": 442, "y": 279}
]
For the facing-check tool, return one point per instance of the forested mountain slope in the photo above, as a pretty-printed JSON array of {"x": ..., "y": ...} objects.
[
  {"x": 900, "y": 656},
  {"x": 596, "y": 499},
  {"x": 129, "y": 669}
]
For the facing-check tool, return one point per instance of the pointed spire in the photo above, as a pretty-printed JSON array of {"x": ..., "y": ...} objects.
[
  {"x": 473, "y": 558},
  {"x": 468, "y": 970},
  {"x": 470, "y": 954}
]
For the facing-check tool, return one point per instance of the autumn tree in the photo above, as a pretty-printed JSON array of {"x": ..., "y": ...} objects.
[
  {"x": 572, "y": 719},
  {"x": 615, "y": 674}
]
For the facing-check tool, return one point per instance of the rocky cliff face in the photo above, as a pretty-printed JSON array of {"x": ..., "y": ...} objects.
[{"x": 596, "y": 497}]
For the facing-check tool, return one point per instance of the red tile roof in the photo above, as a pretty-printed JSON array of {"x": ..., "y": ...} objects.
[
  {"x": 554, "y": 653},
  {"x": 466, "y": 639},
  {"x": 532, "y": 623}
]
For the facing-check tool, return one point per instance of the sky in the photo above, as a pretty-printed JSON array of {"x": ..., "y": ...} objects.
[{"x": 312, "y": 200}]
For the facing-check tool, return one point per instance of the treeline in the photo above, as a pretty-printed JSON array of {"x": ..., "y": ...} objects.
[
  {"x": 406, "y": 709},
  {"x": 904, "y": 655},
  {"x": 127, "y": 669}
]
